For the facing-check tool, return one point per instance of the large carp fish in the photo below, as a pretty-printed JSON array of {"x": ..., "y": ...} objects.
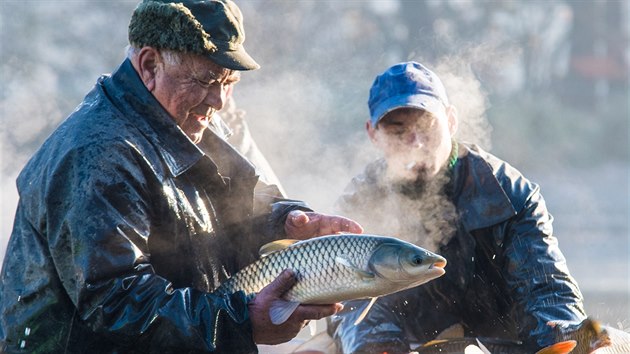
[{"x": 336, "y": 268}]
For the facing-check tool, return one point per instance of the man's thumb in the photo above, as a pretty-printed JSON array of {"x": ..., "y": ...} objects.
[
  {"x": 282, "y": 283},
  {"x": 298, "y": 218}
]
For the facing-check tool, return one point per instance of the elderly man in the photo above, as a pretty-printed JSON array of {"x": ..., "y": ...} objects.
[
  {"x": 506, "y": 276},
  {"x": 132, "y": 212}
]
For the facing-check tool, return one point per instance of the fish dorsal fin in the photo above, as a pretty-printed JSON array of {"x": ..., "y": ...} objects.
[
  {"x": 454, "y": 331},
  {"x": 365, "y": 311},
  {"x": 281, "y": 310},
  {"x": 274, "y": 246},
  {"x": 434, "y": 342},
  {"x": 597, "y": 327},
  {"x": 363, "y": 274},
  {"x": 559, "y": 348}
]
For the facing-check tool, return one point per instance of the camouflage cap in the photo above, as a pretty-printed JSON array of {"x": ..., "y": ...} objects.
[{"x": 212, "y": 28}]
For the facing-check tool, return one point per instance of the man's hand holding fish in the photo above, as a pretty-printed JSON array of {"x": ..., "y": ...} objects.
[
  {"x": 299, "y": 225},
  {"x": 304, "y": 225},
  {"x": 265, "y": 332}
]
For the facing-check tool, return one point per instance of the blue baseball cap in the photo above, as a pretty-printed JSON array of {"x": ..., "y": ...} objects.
[{"x": 408, "y": 84}]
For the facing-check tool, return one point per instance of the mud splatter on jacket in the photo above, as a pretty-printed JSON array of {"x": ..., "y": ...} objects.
[
  {"x": 505, "y": 277},
  {"x": 123, "y": 228}
]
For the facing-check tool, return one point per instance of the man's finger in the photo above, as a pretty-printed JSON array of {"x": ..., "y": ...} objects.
[
  {"x": 353, "y": 227},
  {"x": 342, "y": 224},
  {"x": 316, "y": 312}
]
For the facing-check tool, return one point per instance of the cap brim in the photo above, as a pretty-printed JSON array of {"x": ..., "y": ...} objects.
[
  {"x": 234, "y": 60},
  {"x": 420, "y": 101}
]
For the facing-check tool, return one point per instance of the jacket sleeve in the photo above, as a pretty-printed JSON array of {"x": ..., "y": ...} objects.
[
  {"x": 271, "y": 209},
  {"x": 537, "y": 275},
  {"x": 99, "y": 216}
]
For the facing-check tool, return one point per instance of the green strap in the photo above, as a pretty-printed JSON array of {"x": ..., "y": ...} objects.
[{"x": 452, "y": 160}]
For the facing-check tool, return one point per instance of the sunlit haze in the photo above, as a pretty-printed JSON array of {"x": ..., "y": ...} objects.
[{"x": 526, "y": 77}]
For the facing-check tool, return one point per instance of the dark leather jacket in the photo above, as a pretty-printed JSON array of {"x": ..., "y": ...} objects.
[
  {"x": 124, "y": 227},
  {"x": 505, "y": 277}
]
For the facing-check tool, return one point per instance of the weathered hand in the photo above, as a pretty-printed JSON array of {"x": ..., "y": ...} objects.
[
  {"x": 266, "y": 332},
  {"x": 303, "y": 225}
]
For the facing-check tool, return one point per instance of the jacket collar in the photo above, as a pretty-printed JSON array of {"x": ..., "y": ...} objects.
[
  {"x": 478, "y": 194},
  {"x": 129, "y": 94},
  {"x": 229, "y": 161}
]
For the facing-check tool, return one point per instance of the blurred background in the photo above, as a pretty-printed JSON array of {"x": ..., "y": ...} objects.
[{"x": 541, "y": 84}]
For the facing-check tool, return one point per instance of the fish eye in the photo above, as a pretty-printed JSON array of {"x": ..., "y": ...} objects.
[{"x": 416, "y": 260}]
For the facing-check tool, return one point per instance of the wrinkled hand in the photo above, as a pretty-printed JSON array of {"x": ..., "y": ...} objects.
[
  {"x": 266, "y": 332},
  {"x": 303, "y": 225}
]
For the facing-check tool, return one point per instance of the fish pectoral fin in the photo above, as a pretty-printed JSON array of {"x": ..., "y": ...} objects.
[
  {"x": 473, "y": 349},
  {"x": 281, "y": 310},
  {"x": 365, "y": 311},
  {"x": 482, "y": 348},
  {"x": 312, "y": 327},
  {"x": 559, "y": 348},
  {"x": 363, "y": 274},
  {"x": 275, "y": 246}
]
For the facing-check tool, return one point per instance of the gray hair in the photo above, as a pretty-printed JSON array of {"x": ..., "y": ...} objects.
[{"x": 170, "y": 57}]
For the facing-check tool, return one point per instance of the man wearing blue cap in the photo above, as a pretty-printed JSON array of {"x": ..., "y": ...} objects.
[
  {"x": 506, "y": 276},
  {"x": 132, "y": 212}
]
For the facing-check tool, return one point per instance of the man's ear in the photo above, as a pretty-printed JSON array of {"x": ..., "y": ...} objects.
[
  {"x": 146, "y": 63},
  {"x": 371, "y": 130},
  {"x": 453, "y": 120}
]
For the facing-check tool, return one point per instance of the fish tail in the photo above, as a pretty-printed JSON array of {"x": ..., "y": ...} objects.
[{"x": 559, "y": 348}]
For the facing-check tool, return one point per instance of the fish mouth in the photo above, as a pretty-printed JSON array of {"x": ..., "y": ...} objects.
[{"x": 439, "y": 264}]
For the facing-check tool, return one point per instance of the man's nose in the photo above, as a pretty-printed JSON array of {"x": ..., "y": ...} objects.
[
  {"x": 216, "y": 96},
  {"x": 414, "y": 140}
]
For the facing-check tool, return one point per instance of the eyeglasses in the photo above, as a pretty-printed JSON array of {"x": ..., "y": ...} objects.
[{"x": 214, "y": 80}]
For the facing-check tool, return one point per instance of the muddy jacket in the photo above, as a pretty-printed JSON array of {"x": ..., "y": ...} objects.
[
  {"x": 124, "y": 227},
  {"x": 505, "y": 277}
]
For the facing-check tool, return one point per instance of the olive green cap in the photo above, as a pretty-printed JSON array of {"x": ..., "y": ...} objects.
[{"x": 212, "y": 28}]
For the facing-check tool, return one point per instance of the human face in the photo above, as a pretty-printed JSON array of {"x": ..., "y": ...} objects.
[
  {"x": 192, "y": 90},
  {"x": 415, "y": 143}
]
